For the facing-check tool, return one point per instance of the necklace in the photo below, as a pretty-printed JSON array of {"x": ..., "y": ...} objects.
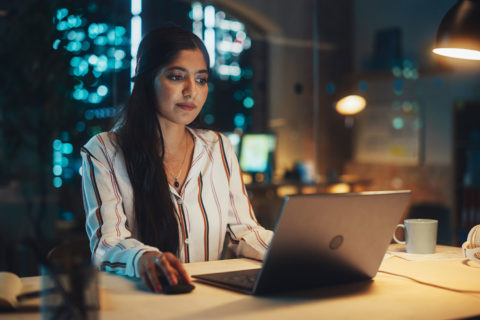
[{"x": 176, "y": 184}]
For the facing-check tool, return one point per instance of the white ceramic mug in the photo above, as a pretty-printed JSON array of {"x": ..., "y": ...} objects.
[{"x": 420, "y": 235}]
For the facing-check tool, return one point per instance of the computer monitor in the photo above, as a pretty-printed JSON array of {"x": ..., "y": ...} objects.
[
  {"x": 234, "y": 140},
  {"x": 256, "y": 152}
]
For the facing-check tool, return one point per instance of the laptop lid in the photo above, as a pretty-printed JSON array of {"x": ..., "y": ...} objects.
[{"x": 326, "y": 239}]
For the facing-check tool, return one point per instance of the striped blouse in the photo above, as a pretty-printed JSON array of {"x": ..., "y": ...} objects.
[{"x": 212, "y": 202}]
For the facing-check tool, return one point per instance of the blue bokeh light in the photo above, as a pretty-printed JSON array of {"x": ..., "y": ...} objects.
[
  {"x": 120, "y": 31},
  {"x": 100, "y": 41},
  {"x": 80, "y": 94},
  {"x": 74, "y": 21},
  {"x": 67, "y": 216},
  {"x": 75, "y": 61},
  {"x": 119, "y": 54},
  {"x": 57, "y": 144},
  {"x": 102, "y": 63},
  {"x": 330, "y": 88},
  {"x": 83, "y": 67},
  {"x": 93, "y": 59},
  {"x": 67, "y": 148},
  {"x": 62, "y": 26},
  {"x": 93, "y": 31},
  {"x": 398, "y": 86},
  {"x": 102, "y": 91},
  {"x": 362, "y": 86},
  {"x": 102, "y": 27},
  {"x": 56, "y": 44},
  {"x": 74, "y": 46},
  {"x": 209, "y": 119},
  {"x": 94, "y": 98},
  {"x": 111, "y": 36},
  {"x": 248, "y": 102},
  {"x": 57, "y": 182},
  {"x": 398, "y": 123},
  {"x": 57, "y": 170},
  {"x": 72, "y": 35},
  {"x": 80, "y": 126},
  {"x": 239, "y": 120},
  {"x": 80, "y": 35},
  {"x": 62, "y": 13},
  {"x": 89, "y": 115},
  {"x": 57, "y": 157}
]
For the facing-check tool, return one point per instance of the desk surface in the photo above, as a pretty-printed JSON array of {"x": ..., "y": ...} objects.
[{"x": 402, "y": 289}]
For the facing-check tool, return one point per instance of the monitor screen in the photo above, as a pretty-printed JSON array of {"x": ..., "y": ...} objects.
[
  {"x": 256, "y": 152},
  {"x": 234, "y": 140}
]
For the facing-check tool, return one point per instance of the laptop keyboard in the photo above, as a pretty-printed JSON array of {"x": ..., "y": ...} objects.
[{"x": 243, "y": 279}]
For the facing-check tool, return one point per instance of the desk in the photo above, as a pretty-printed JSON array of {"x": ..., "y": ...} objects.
[{"x": 386, "y": 297}]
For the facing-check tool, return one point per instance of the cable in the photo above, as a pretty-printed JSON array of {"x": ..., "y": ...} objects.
[{"x": 429, "y": 284}]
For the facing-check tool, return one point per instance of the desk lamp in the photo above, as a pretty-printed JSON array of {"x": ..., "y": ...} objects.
[{"x": 458, "y": 35}]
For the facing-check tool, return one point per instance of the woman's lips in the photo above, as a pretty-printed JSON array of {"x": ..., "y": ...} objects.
[{"x": 186, "y": 106}]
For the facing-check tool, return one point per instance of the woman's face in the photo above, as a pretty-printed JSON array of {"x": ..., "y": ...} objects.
[{"x": 181, "y": 88}]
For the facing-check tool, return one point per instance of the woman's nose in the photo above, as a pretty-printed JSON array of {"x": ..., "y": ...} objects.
[{"x": 189, "y": 87}]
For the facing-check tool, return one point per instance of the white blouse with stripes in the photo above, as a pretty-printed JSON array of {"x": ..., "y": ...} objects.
[{"x": 212, "y": 201}]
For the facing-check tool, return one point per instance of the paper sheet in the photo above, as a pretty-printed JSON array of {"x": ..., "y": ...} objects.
[{"x": 442, "y": 253}]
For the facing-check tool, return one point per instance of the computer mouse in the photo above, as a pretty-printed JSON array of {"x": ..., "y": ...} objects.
[{"x": 181, "y": 287}]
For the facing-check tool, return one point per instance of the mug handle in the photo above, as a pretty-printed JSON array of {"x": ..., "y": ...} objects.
[{"x": 394, "y": 237}]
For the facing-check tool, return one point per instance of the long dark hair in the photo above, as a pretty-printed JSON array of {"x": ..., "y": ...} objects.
[{"x": 141, "y": 141}]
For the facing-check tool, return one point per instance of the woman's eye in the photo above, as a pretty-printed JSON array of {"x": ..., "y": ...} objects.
[
  {"x": 202, "y": 80},
  {"x": 175, "y": 77}
]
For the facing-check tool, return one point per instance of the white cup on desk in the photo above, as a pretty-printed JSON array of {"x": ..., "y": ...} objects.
[{"x": 420, "y": 235}]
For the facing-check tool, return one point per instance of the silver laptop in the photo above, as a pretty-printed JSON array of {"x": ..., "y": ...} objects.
[{"x": 321, "y": 240}]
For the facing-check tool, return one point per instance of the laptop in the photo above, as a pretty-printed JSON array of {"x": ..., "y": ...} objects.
[{"x": 322, "y": 240}]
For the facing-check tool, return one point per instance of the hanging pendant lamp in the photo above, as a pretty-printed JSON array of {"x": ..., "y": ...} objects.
[
  {"x": 458, "y": 35},
  {"x": 350, "y": 105}
]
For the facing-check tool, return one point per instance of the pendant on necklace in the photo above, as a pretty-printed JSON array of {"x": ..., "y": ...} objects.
[{"x": 176, "y": 184}]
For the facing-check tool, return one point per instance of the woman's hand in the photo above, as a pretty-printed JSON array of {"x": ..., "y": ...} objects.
[{"x": 153, "y": 265}]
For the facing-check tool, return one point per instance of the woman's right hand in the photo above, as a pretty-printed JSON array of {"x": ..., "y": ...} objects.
[{"x": 153, "y": 265}]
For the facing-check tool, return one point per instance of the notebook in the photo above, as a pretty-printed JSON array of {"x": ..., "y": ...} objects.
[{"x": 320, "y": 240}]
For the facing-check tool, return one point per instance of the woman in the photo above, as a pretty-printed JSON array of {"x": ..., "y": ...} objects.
[{"x": 158, "y": 193}]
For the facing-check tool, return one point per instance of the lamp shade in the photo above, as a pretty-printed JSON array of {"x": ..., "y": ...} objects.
[
  {"x": 458, "y": 35},
  {"x": 350, "y": 105}
]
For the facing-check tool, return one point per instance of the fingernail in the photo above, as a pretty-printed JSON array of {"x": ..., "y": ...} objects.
[
  {"x": 173, "y": 281},
  {"x": 159, "y": 288}
]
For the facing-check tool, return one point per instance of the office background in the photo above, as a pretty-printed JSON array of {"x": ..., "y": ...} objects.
[{"x": 279, "y": 68}]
